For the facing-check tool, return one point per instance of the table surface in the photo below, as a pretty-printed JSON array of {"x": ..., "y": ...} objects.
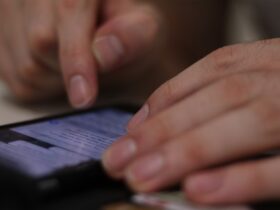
[{"x": 12, "y": 111}]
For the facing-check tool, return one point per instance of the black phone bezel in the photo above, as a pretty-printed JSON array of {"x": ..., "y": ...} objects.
[{"x": 63, "y": 181}]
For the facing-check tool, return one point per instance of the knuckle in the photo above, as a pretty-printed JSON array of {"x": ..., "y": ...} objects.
[
  {"x": 161, "y": 126},
  {"x": 194, "y": 152},
  {"x": 159, "y": 133},
  {"x": 224, "y": 58},
  {"x": 76, "y": 59},
  {"x": 41, "y": 39},
  {"x": 28, "y": 71},
  {"x": 163, "y": 96},
  {"x": 72, "y": 52},
  {"x": 235, "y": 87},
  {"x": 23, "y": 93}
]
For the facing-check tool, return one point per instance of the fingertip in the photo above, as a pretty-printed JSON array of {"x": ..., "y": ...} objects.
[
  {"x": 107, "y": 169},
  {"x": 117, "y": 157},
  {"x": 79, "y": 73},
  {"x": 123, "y": 39},
  {"x": 80, "y": 94},
  {"x": 78, "y": 65},
  {"x": 108, "y": 51}
]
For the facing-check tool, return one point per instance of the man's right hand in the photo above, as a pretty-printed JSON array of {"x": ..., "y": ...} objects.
[{"x": 46, "y": 42}]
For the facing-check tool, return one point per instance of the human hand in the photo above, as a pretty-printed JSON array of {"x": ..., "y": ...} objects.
[
  {"x": 25, "y": 39},
  {"x": 196, "y": 128},
  {"x": 42, "y": 40}
]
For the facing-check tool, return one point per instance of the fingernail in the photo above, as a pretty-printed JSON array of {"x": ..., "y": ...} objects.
[
  {"x": 79, "y": 92},
  {"x": 139, "y": 118},
  {"x": 108, "y": 51},
  {"x": 119, "y": 155},
  {"x": 145, "y": 169},
  {"x": 204, "y": 184}
]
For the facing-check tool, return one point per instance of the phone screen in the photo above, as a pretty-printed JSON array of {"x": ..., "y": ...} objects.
[{"x": 42, "y": 148}]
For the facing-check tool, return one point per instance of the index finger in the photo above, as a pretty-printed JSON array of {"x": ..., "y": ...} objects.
[{"x": 76, "y": 25}]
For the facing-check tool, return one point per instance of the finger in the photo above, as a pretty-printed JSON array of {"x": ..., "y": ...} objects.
[
  {"x": 39, "y": 17},
  {"x": 128, "y": 31},
  {"x": 240, "y": 133},
  {"x": 240, "y": 183},
  {"x": 27, "y": 69},
  {"x": 211, "y": 102},
  {"x": 221, "y": 63},
  {"x": 21, "y": 90},
  {"x": 76, "y": 26}
]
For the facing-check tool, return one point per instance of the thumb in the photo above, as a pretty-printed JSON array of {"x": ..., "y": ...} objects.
[{"x": 126, "y": 34}]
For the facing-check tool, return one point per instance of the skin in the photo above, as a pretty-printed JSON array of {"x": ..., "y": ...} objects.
[
  {"x": 171, "y": 52},
  {"x": 44, "y": 44},
  {"x": 47, "y": 46},
  {"x": 197, "y": 127}
]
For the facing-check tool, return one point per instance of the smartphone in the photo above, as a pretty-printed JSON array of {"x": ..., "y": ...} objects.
[{"x": 60, "y": 154}]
